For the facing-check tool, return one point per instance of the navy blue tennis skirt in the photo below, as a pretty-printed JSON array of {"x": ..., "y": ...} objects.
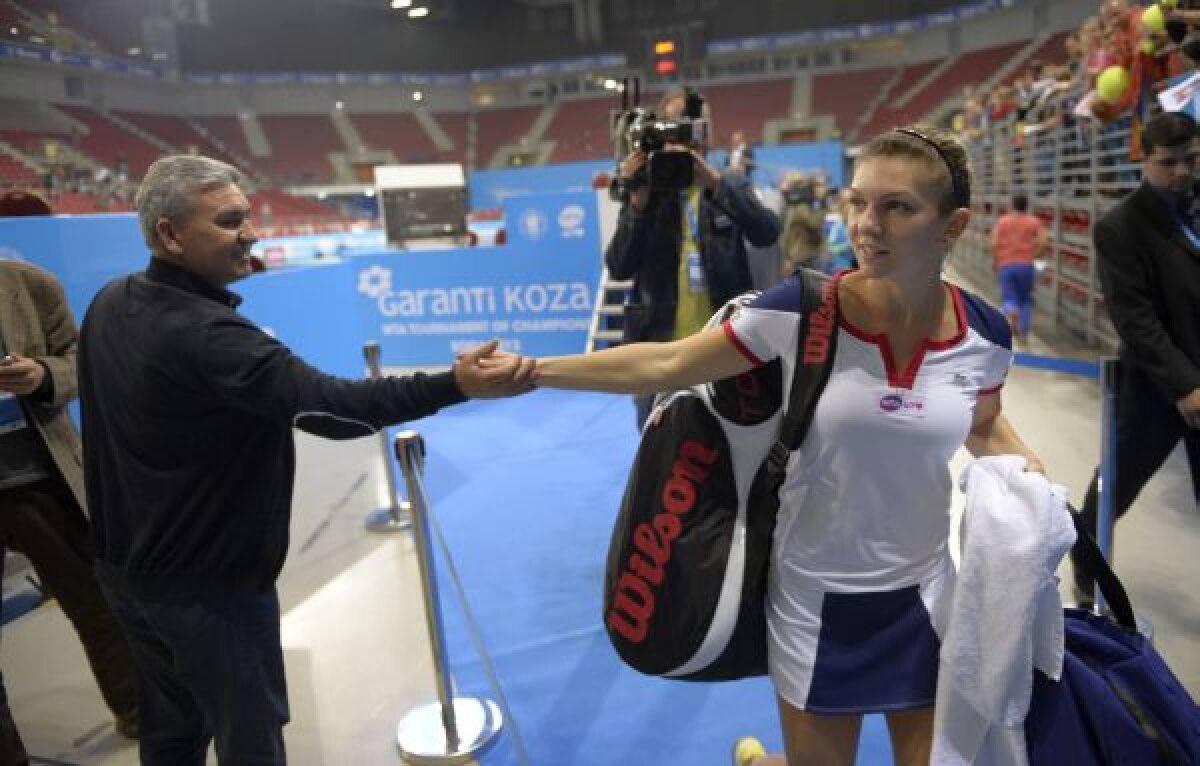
[{"x": 856, "y": 652}]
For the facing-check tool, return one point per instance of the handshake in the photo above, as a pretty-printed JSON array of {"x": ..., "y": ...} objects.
[{"x": 485, "y": 372}]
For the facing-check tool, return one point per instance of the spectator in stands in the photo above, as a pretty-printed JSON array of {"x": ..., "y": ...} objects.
[
  {"x": 1004, "y": 104},
  {"x": 974, "y": 121},
  {"x": 1096, "y": 56},
  {"x": 1027, "y": 88},
  {"x": 1121, "y": 27},
  {"x": 1179, "y": 22},
  {"x": 41, "y": 475},
  {"x": 188, "y": 410},
  {"x": 858, "y": 542},
  {"x": 1018, "y": 238},
  {"x": 1073, "y": 47},
  {"x": 1148, "y": 259},
  {"x": 121, "y": 170},
  {"x": 683, "y": 249}
]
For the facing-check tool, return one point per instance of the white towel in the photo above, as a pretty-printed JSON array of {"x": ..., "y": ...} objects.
[{"x": 1005, "y": 613}]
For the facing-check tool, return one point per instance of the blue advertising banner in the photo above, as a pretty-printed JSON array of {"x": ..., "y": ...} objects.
[
  {"x": 424, "y": 307},
  {"x": 84, "y": 252},
  {"x": 860, "y": 31},
  {"x": 311, "y": 309},
  {"x": 489, "y": 188},
  {"x": 566, "y": 223},
  {"x": 773, "y": 162},
  {"x": 534, "y": 294}
]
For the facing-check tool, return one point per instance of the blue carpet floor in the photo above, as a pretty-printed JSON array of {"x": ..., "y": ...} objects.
[{"x": 525, "y": 491}]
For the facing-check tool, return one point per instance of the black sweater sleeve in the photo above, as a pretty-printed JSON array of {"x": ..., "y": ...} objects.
[{"x": 248, "y": 369}]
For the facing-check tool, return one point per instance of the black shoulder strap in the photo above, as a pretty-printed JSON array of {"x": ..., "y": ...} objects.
[
  {"x": 1114, "y": 593},
  {"x": 815, "y": 346}
]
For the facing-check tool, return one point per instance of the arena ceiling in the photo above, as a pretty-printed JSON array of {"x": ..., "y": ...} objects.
[{"x": 456, "y": 35}]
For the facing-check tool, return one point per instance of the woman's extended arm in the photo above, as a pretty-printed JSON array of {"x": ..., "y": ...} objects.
[
  {"x": 645, "y": 368},
  {"x": 992, "y": 434}
]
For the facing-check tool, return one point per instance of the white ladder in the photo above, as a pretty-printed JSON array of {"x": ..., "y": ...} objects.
[{"x": 609, "y": 314}]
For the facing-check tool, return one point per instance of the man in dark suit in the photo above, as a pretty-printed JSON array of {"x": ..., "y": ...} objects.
[
  {"x": 1148, "y": 258},
  {"x": 41, "y": 475}
]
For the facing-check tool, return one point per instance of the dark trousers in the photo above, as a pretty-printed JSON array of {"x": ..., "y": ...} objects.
[
  {"x": 208, "y": 670},
  {"x": 42, "y": 521},
  {"x": 12, "y": 749},
  {"x": 1016, "y": 290},
  {"x": 1148, "y": 428}
]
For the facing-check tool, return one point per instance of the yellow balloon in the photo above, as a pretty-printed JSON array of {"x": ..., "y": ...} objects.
[
  {"x": 1168, "y": 3},
  {"x": 1149, "y": 48},
  {"x": 1112, "y": 83},
  {"x": 1153, "y": 19}
]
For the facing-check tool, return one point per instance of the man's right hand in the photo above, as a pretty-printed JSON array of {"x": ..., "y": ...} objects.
[
  {"x": 1189, "y": 408},
  {"x": 484, "y": 373}
]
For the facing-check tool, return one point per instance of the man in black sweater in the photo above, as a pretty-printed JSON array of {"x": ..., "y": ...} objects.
[
  {"x": 1148, "y": 259},
  {"x": 188, "y": 410}
]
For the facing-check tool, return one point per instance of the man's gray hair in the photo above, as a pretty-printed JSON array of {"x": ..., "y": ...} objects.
[{"x": 170, "y": 186}]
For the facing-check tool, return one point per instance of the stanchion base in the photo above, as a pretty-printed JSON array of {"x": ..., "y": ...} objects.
[
  {"x": 421, "y": 735},
  {"x": 384, "y": 522}
]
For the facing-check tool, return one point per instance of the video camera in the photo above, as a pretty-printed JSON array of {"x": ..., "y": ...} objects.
[
  {"x": 800, "y": 190},
  {"x": 637, "y": 128}
]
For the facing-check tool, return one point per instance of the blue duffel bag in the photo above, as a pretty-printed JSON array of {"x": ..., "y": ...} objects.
[{"x": 1118, "y": 702}]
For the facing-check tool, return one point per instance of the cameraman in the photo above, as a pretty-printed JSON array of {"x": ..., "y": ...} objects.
[
  {"x": 804, "y": 224},
  {"x": 682, "y": 246}
]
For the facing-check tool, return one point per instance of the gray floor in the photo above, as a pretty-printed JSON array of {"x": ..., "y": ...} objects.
[{"x": 353, "y": 628}]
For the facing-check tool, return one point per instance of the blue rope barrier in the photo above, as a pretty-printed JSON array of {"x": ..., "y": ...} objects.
[{"x": 1080, "y": 367}]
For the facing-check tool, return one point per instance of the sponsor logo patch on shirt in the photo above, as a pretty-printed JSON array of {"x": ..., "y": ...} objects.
[{"x": 900, "y": 403}]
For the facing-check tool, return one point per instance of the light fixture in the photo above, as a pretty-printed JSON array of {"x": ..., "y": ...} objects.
[
  {"x": 159, "y": 56},
  {"x": 418, "y": 95},
  {"x": 14, "y": 30},
  {"x": 339, "y": 105},
  {"x": 419, "y": 12},
  {"x": 398, "y": 4},
  {"x": 134, "y": 51},
  {"x": 610, "y": 84}
]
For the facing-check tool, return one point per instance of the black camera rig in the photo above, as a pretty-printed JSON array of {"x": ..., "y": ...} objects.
[{"x": 634, "y": 127}]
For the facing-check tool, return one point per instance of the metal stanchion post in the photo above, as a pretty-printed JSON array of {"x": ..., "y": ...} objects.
[
  {"x": 1106, "y": 481},
  {"x": 396, "y": 515},
  {"x": 1106, "y": 516},
  {"x": 452, "y": 730}
]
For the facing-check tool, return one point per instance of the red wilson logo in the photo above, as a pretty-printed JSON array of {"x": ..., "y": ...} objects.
[
  {"x": 635, "y": 599},
  {"x": 820, "y": 326}
]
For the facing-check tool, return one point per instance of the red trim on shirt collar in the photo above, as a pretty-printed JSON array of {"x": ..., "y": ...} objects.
[{"x": 907, "y": 378}]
